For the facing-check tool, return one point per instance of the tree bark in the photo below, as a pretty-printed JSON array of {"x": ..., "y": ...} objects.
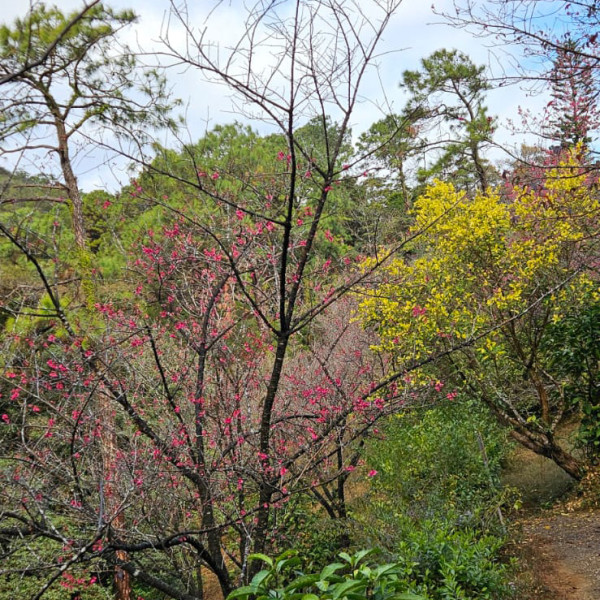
[{"x": 544, "y": 445}]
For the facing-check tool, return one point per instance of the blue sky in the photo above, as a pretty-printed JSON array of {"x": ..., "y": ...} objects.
[{"x": 414, "y": 33}]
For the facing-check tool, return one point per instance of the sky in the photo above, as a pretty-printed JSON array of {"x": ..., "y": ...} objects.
[{"x": 413, "y": 33}]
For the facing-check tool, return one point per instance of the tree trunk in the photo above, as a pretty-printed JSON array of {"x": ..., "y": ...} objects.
[
  {"x": 71, "y": 185},
  {"x": 544, "y": 445},
  {"x": 542, "y": 394},
  {"x": 121, "y": 578}
]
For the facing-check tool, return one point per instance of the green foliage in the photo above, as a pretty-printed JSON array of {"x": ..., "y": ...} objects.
[
  {"x": 391, "y": 146},
  {"x": 573, "y": 348},
  {"x": 448, "y": 91},
  {"x": 430, "y": 463},
  {"x": 434, "y": 563},
  {"x": 233, "y": 162},
  {"x": 316, "y": 137},
  {"x": 434, "y": 500},
  {"x": 25, "y": 568},
  {"x": 353, "y": 579},
  {"x": 87, "y": 77},
  {"x": 310, "y": 532},
  {"x": 32, "y": 35},
  {"x": 446, "y": 563},
  {"x": 242, "y": 162}
]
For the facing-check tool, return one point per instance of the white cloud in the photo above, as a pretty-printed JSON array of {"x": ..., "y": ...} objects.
[{"x": 414, "y": 32}]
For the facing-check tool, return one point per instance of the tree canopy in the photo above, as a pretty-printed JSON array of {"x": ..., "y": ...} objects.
[{"x": 272, "y": 337}]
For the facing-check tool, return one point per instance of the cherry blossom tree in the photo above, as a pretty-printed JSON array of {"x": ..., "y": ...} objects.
[{"x": 229, "y": 373}]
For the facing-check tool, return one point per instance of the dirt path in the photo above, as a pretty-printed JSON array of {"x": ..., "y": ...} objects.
[
  {"x": 558, "y": 548},
  {"x": 562, "y": 555}
]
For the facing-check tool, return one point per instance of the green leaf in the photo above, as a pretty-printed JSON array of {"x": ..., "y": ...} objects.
[
  {"x": 386, "y": 570},
  {"x": 341, "y": 589},
  {"x": 260, "y": 577},
  {"x": 301, "y": 582},
  {"x": 288, "y": 562},
  {"x": 329, "y": 570},
  {"x": 361, "y": 554},
  {"x": 243, "y": 592},
  {"x": 262, "y": 557}
]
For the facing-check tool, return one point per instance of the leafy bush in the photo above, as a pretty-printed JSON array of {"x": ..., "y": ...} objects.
[
  {"x": 433, "y": 564},
  {"x": 302, "y": 526},
  {"x": 433, "y": 504},
  {"x": 573, "y": 351},
  {"x": 444, "y": 563},
  {"x": 354, "y": 579},
  {"x": 432, "y": 463}
]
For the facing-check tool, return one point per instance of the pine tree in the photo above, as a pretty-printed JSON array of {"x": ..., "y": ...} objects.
[{"x": 573, "y": 113}]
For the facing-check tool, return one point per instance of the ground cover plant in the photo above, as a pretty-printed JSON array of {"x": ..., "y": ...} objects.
[{"x": 272, "y": 347}]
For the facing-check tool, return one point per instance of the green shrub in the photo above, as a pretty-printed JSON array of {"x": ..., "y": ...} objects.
[
  {"x": 433, "y": 504},
  {"x": 572, "y": 349},
  {"x": 442, "y": 462},
  {"x": 353, "y": 579},
  {"x": 305, "y": 527},
  {"x": 444, "y": 563}
]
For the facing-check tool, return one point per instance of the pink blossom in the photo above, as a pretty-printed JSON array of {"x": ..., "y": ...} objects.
[
  {"x": 418, "y": 311},
  {"x": 372, "y": 473}
]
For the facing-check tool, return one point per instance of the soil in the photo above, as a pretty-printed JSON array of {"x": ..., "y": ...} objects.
[
  {"x": 561, "y": 552},
  {"x": 558, "y": 547}
]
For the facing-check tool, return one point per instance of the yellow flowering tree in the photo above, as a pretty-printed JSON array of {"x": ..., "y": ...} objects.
[{"x": 493, "y": 273}]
